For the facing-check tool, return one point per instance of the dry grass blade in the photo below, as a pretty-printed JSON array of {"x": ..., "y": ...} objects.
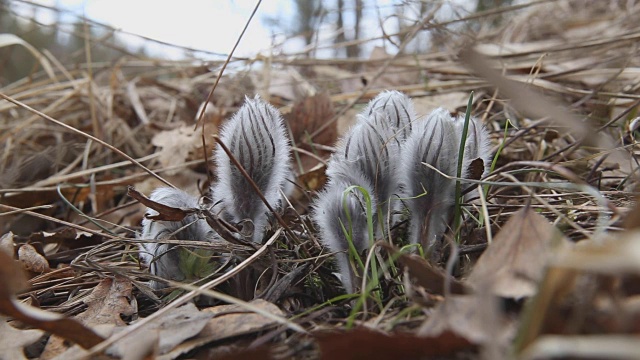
[{"x": 535, "y": 105}]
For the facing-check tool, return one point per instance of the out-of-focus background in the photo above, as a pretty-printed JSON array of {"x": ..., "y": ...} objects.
[
  {"x": 207, "y": 30},
  {"x": 546, "y": 258}
]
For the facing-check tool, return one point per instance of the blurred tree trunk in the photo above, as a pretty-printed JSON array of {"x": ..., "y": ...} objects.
[
  {"x": 341, "y": 36},
  {"x": 353, "y": 51},
  {"x": 309, "y": 14},
  {"x": 483, "y": 5}
]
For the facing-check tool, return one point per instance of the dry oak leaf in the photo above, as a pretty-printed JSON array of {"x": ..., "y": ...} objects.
[
  {"x": 170, "y": 330},
  {"x": 175, "y": 146},
  {"x": 233, "y": 320},
  {"x": 110, "y": 299},
  {"x": 227, "y": 321},
  {"x": 13, "y": 340},
  {"x": 514, "y": 263}
]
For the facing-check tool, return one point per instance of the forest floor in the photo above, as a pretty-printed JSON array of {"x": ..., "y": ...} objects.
[{"x": 544, "y": 265}]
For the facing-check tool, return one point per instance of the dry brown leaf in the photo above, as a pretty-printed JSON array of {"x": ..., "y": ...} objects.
[
  {"x": 229, "y": 321},
  {"x": 12, "y": 340},
  {"x": 424, "y": 274},
  {"x": 13, "y": 277},
  {"x": 110, "y": 299},
  {"x": 165, "y": 213},
  {"x": 32, "y": 260},
  {"x": 170, "y": 330},
  {"x": 307, "y": 116},
  {"x": 176, "y": 144},
  {"x": 588, "y": 284},
  {"x": 314, "y": 179},
  {"x": 472, "y": 317},
  {"x": 14, "y": 280},
  {"x": 366, "y": 344},
  {"x": 233, "y": 320},
  {"x": 632, "y": 219},
  {"x": 513, "y": 264}
]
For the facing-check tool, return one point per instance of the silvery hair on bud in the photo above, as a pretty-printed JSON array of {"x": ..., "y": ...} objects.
[
  {"x": 372, "y": 149},
  {"x": 257, "y": 139},
  {"x": 163, "y": 259},
  {"x": 330, "y": 216},
  {"x": 398, "y": 108},
  {"x": 364, "y": 157},
  {"x": 433, "y": 141}
]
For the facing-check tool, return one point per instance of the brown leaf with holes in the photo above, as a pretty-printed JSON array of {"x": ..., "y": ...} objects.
[
  {"x": 32, "y": 260},
  {"x": 514, "y": 263}
]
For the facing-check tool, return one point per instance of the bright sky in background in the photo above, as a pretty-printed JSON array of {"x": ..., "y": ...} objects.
[{"x": 210, "y": 25}]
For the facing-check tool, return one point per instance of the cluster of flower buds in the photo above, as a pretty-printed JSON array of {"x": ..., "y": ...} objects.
[
  {"x": 391, "y": 155},
  {"x": 258, "y": 141}
]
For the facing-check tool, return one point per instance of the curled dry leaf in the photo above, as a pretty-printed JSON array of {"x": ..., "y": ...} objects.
[
  {"x": 7, "y": 245},
  {"x": 165, "y": 213},
  {"x": 32, "y": 260},
  {"x": 513, "y": 264},
  {"x": 315, "y": 178}
]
